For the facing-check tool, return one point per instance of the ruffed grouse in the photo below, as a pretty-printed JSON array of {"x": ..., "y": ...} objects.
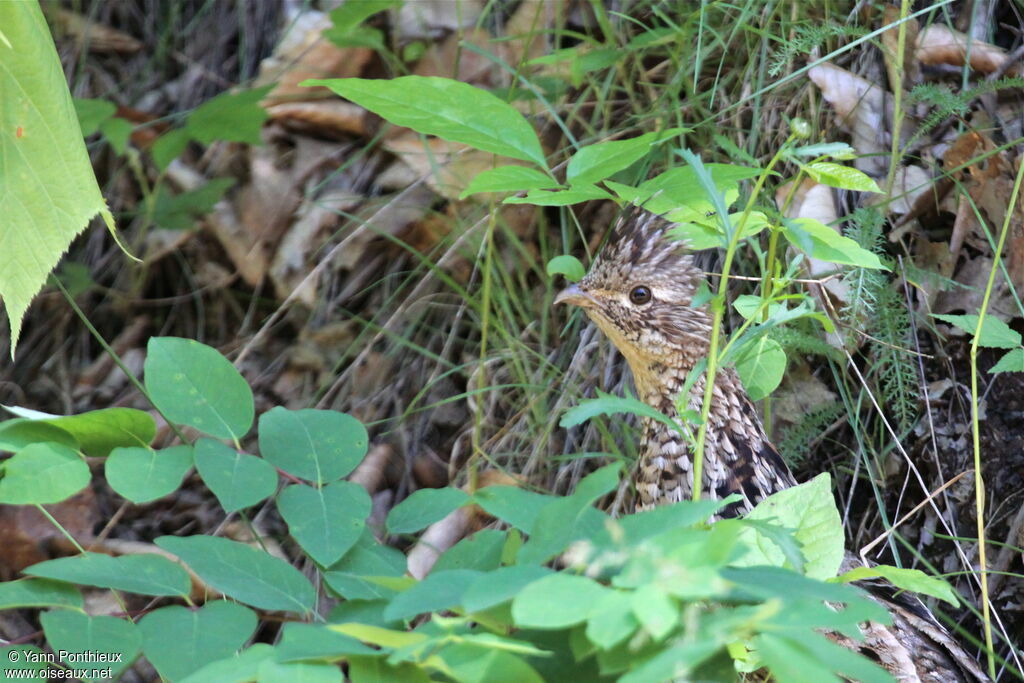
[{"x": 639, "y": 293}]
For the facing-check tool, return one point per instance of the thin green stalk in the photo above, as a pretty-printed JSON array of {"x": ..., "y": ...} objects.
[
  {"x": 718, "y": 310},
  {"x": 897, "y": 88},
  {"x": 979, "y": 484}
]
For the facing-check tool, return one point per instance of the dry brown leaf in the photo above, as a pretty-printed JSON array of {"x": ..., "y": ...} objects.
[
  {"x": 450, "y": 58},
  {"x": 333, "y": 119},
  {"x": 295, "y": 255},
  {"x": 370, "y": 473},
  {"x": 939, "y": 44},
  {"x": 861, "y": 109},
  {"x": 433, "y": 19},
  {"x": 304, "y": 53},
  {"x": 96, "y": 38},
  {"x": 448, "y": 167},
  {"x": 25, "y": 532}
]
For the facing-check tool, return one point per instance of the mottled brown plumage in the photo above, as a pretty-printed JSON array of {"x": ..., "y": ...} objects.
[{"x": 639, "y": 292}]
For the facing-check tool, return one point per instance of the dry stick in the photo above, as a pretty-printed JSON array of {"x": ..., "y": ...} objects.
[{"x": 888, "y": 532}]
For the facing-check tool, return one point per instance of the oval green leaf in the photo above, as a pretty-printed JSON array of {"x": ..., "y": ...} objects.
[
  {"x": 144, "y": 574},
  {"x": 317, "y": 445},
  {"x": 761, "y": 364},
  {"x": 237, "y": 479},
  {"x": 42, "y": 473},
  {"x": 326, "y": 521},
  {"x": 194, "y": 384},
  {"x": 143, "y": 474},
  {"x": 178, "y": 641},
  {"x": 423, "y": 508},
  {"x": 243, "y": 572},
  {"x": 556, "y": 601},
  {"x": 38, "y": 593},
  {"x": 446, "y": 108},
  {"x": 509, "y": 179},
  {"x": 567, "y": 265},
  {"x": 75, "y": 633}
]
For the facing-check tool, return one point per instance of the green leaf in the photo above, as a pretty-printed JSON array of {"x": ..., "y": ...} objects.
[
  {"x": 761, "y": 364},
  {"x": 76, "y": 633},
  {"x": 822, "y": 242},
  {"x": 1012, "y": 361},
  {"x": 471, "y": 663},
  {"x": 810, "y": 510},
  {"x": 91, "y": 113},
  {"x": 501, "y": 585},
  {"x": 233, "y": 117},
  {"x": 446, "y": 108},
  {"x": 378, "y": 670},
  {"x": 350, "y": 15},
  {"x": 556, "y": 601},
  {"x": 42, "y": 473},
  {"x": 423, "y": 508},
  {"x": 195, "y": 385},
  {"x": 571, "y": 518},
  {"x": 602, "y": 160},
  {"x": 566, "y": 265},
  {"x": 574, "y": 195},
  {"x": 21, "y": 661},
  {"x": 611, "y": 619},
  {"x": 143, "y": 474},
  {"x": 995, "y": 333},
  {"x": 316, "y": 641},
  {"x": 146, "y": 574},
  {"x": 118, "y": 132},
  {"x": 98, "y": 431},
  {"x": 788, "y": 660},
  {"x": 438, "y": 591},
  {"x": 38, "y": 593},
  {"x": 238, "y": 667},
  {"x": 49, "y": 190},
  {"x": 243, "y": 572},
  {"x": 237, "y": 479},
  {"x": 20, "y": 432},
  {"x": 181, "y": 211},
  {"x": 845, "y": 662},
  {"x": 169, "y": 147},
  {"x": 656, "y": 611},
  {"x": 326, "y": 521},
  {"x": 509, "y": 179},
  {"x": 317, "y": 445},
  {"x": 842, "y": 177},
  {"x": 368, "y": 558},
  {"x": 512, "y": 504},
  {"x": 178, "y": 641},
  {"x": 908, "y": 579},
  {"x": 272, "y": 671},
  {"x": 836, "y": 150},
  {"x": 480, "y": 551},
  {"x": 606, "y": 404}
]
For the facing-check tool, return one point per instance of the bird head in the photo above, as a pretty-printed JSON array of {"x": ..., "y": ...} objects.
[{"x": 639, "y": 292}]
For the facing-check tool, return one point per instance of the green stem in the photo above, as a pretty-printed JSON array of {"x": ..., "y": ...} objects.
[
  {"x": 718, "y": 311},
  {"x": 979, "y": 483}
]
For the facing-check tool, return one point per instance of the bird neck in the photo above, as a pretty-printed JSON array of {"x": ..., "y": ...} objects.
[{"x": 738, "y": 457}]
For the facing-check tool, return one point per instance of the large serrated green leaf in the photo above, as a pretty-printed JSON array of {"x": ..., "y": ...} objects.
[{"x": 49, "y": 191}]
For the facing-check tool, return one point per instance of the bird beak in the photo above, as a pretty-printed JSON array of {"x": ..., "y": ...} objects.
[{"x": 575, "y": 296}]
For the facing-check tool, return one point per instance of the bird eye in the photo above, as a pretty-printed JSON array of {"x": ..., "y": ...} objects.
[{"x": 640, "y": 295}]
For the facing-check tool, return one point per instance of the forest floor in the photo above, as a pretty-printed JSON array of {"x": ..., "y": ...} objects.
[{"x": 340, "y": 269}]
